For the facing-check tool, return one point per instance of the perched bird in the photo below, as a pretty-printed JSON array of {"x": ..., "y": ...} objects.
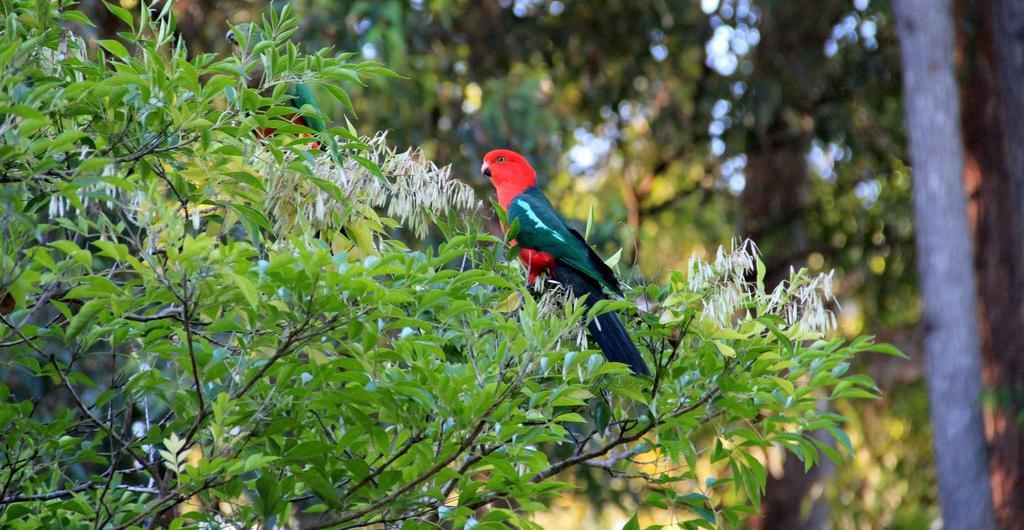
[
  {"x": 299, "y": 94},
  {"x": 549, "y": 246}
]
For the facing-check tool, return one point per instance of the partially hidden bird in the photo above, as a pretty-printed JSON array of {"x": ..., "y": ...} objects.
[
  {"x": 549, "y": 246},
  {"x": 299, "y": 94}
]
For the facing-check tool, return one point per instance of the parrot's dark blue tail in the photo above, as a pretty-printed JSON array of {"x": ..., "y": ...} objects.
[
  {"x": 607, "y": 329},
  {"x": 611, "y": 336}
]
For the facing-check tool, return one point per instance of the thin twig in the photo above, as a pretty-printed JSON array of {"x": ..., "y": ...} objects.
[
  {"x": 398, "y": 454},
  {"x": 621, "y": 439},
  {"x": 60, "y": 494},
  {"x": 433, "y": 470},
  {"x": 167, "y": 312},
  {"x": 81, "y": 404}
]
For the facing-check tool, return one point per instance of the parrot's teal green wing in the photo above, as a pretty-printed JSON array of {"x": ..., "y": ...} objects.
[
  {"x": 541, "y": 228},
  {"x": 302, "y": 96},
  {"x": 249, "y": 35}
]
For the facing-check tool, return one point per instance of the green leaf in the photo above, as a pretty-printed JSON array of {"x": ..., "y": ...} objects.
[
  {"x": 590, "y": 222},
  {"x": 82, "y": 318},
  {"x": 269, "y": 494},
  {"x": 602, "y": 414},
  {"x": 887, "y": 349},
  {"x": 323, "y": 489},
  {"x": 372, "y": 167},
  {"x": 613, "y": 260},
  {"x": 79, "y": 17},
  {"x": 65, "y": 139},
  {"x": 253, "y": 215},
  {"x": 840, "y": 436},
  {"x": 725, "y": 349},
  {"x": 246, "y": 287},
  {"x": 121, "y": 13},
  {"x": 570, "y": 417},
  {"x": 115, "y": 48},
  {"x": 342, "y": 96}
]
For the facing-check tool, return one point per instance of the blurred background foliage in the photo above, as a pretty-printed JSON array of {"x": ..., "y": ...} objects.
[{"x": 682, "y": 124}]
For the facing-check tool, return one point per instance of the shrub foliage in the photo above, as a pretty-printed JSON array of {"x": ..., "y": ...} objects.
[{"x": 202, "y": 326}]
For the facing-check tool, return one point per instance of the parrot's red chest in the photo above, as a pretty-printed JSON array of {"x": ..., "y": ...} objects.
[
  {"x": 264, "y": 132},
  {"x": 536, "y": 262}
]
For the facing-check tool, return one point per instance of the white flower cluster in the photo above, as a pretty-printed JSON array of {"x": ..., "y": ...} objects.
[
  {"x": 722, "y": 282},
  {"x": 60, "y": 205},
  {"x": 801, "y": 301},
  {"x": 726, "y": 291},
  {"x": 413, "y": 188},
  {"x": 553, "y": 303},
  {"x": 419, "y": 188}
]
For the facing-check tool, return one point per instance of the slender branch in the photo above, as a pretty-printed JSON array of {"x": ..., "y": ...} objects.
[
  {"x": 660, "y": 368},
  {"x": 54, "y": 289},
  {"x": 470, "y": 462},
  {"x": 16, "y": 342},
  {"x": 582, "y": 444},
  {"x": 167, "y": 312},
  {"x": 81, "y": 404},
  {"x": 60, "y": 494},
  {"x": 175, "y": 497},
  {"x": 186, "y": 319},
  {"x": 615, "y": 457},
  {"x": 287, "y": 347},
  {"x": 423, "y": 477},
  {"x": 388, "y": 521},
  {"x": 433, "y": 470},
  {"x": 398, "y": 454},
  {"x": 621, "y": 439},
  {"x": 98, "y": 523},
  {"x": 151, "y": 147}
]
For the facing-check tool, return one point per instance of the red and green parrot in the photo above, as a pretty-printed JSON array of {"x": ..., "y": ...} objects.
[
  {"x": 299, "y": 93},
  {"x": 549, "y": 246}
]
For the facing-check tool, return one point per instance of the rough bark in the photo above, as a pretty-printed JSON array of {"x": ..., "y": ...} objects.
[
  {"x": 992, "y": 176},
  {"x": 1009, "y": 44},
  {"x": 952, "y": 350},
  {"x": 1007, "y": 370}
]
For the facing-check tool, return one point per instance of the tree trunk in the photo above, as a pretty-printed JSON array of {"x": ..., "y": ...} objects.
[
  {"x": 1005, "y": 358},
  {"x": 952, "y": 351},
  {"x": 993, "y": 178},
  {"x": 1009, "y": 43}
]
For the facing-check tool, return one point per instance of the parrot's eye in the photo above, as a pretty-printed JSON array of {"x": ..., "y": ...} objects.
[{"x": 500, "y": 160}]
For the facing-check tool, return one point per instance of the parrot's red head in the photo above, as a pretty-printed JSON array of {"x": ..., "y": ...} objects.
[{"x": 510, "y": 173}]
